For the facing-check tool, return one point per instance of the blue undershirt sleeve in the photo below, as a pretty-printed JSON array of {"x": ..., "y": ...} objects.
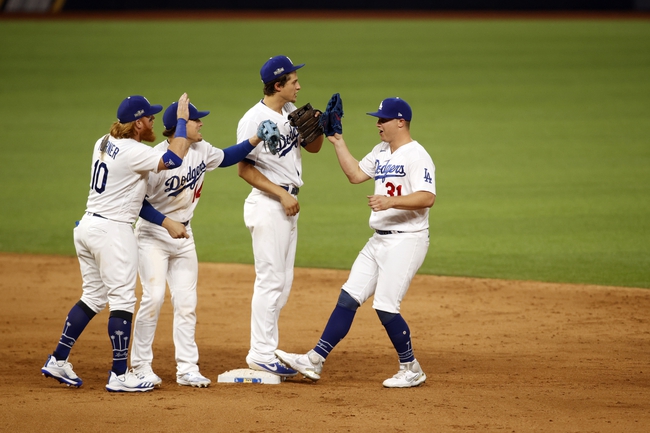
[
  {"x": 151, "y": 214},
  {"x": 233, "y": 154}
]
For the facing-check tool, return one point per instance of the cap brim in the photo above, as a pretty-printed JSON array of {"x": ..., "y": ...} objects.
[
  {"x": 154, "y": 109},
  {"x": 201, "y": 114},
  {"x": 376, "y": 114}
]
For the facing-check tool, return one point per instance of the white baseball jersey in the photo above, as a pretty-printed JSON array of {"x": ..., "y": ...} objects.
[
  {"x": 175, "y": 193},
  {"x": 119, "y": 178},
  {"x": 285, "y": 168},
  {"x": 406, "y": 171}
]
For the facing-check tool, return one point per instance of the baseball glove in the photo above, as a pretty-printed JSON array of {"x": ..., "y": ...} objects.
[
  {"x": 307, "y": 122},
  {"x": 269, "y": 134},
  {"x": 331, "y": 118}
]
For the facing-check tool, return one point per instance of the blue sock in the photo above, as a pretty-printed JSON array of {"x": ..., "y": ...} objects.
[
  {"x": 77, "y": 320},
  {"x": 119, "y": 330},
  {"x": 337, "y": 328},
  {"x": 400, "y": 335}
]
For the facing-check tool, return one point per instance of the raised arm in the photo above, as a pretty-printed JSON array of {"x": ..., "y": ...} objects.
[
  {"x": 348, "y": 163},
  {"x": 179, "y": 145}
]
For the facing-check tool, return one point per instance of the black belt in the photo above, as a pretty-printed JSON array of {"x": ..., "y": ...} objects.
[
  {"x": 388, "y": 232},
  {"x": 186, "y": 223},
  {"x": 291, "y": 190},
  {"x": 98, "y": 215}
]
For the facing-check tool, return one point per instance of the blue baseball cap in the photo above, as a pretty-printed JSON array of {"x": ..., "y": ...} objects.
[
  {"x": 135, "y": 107},
  {"x": 169, "y": 118},
  {"x": 277, "y": 66},
  {"x": 393, "y": 108}
]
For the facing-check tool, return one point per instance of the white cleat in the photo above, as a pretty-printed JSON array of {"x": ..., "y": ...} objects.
[
  {"x": 61, "y": 371},
  {"x": 145, "y": 373},
  {"x": 309, "y": 365},
  {"x": 193, "y": 378},
  {"x": 409, "y": 374},
  {"x": 127, "y": 382}
]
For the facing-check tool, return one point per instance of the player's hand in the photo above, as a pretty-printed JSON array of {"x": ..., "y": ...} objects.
[
  {"x": 290, "y": 204},
  {"x": 379, "y": 202},
  {"x": 183, "y": 111},
  {"x": 175, "y": 229},
  {"x": 336, "y": 138}
]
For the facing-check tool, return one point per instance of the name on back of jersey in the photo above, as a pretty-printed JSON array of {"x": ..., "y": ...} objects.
[{"x": 111, "y": 150}]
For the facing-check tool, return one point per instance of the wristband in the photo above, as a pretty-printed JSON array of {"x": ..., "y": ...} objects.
[
  {"x": 181, "y": 128},
  {"x": 171, "y": 160},
  {"x": 151, "y": 214}
]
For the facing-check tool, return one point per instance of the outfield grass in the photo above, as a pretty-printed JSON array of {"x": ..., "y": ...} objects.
[{"x": 538, "y": 129}]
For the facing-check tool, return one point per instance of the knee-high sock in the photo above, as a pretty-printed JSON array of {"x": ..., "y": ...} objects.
[
  {"x": 336, "y": 329},
  {"x": 400, "y": 335},
  {"x": 77, "y": 320},
  {"x": 119, "y": 331}
]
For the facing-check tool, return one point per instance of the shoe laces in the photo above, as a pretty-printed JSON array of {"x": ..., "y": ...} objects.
[
  {"x": 67, "y": 367},
  {"x": 406, "y": 371}
]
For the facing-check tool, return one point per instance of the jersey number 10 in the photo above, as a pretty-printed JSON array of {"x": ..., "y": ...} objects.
[{"x": 100, "y": 174}]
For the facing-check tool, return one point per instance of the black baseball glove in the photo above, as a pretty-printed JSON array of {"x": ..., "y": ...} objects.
[{"x": 306, "y": 120}]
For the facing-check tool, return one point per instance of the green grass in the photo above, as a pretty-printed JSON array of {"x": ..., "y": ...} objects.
[{"x": 538, "y": 129}]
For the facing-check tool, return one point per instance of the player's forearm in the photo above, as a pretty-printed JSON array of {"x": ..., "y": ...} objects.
[
  {"x": 256, "y": 179},
  {"x": 414, "y": 201},
  {"x": 348, "y": 163},
  {"x": 233, "y": 154}
]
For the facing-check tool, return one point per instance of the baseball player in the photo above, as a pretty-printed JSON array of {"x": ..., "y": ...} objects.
[
  {"x": 104, "y": 239},
  {"x": 405, "y": 189},
  {"x": 271, "y": 210},
  {"x": 172, "y": 196}
]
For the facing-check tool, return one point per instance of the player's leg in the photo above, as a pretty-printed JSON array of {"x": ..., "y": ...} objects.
[
  {"x": 183, "y": 278},
  {"x": 153, "y": 256},
  {"x": 399, "y": 257},
  {"x": 289, "y": 263},
  {"x": 79, "y": 315},
  {"x": 356, "y": 290},
  {"x": 271, "y": 231},
  {"x": 119, "y": 268}
]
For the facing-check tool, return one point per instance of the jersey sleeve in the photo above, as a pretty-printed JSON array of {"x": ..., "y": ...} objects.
[
  {"x": 143, "y": 159},
  {"x": 422, "y": 174},
  {"x": 213, "y": 156}
]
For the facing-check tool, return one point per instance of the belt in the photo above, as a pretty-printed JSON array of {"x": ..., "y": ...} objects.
[
  {"x": 97, "y": 215},
  {"x": 388, "y": 232},
  {"x": 185, "y": 223},
  {"x": 293, "y": 190}
]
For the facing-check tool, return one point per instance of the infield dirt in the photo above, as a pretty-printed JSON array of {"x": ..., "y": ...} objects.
[{"x": 500, "y": 356}]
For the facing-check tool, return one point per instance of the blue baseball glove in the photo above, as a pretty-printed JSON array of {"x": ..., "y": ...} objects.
[
  {"x": 269, "y": 134},
  {"x": 331, "y": 118}
]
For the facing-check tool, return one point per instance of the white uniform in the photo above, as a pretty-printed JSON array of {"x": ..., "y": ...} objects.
[
  {"x": 390, "y": 260},
  {"x": 274, "y": 234},
  {"x": 175, "y": 193},
  {"x": 104, "y": 239}
]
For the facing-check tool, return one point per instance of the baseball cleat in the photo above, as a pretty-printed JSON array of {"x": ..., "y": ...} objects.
[
  {"x": 276, "y": 368},
  {"x": 193, "y": 378},
  {"x": 145, "y": 373},
  {"x": 61, "y": 371},
  {"x": 127, "y": 382},
  {"x": 409, "y": 374},
  {"x": 310, "y": 364}
]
